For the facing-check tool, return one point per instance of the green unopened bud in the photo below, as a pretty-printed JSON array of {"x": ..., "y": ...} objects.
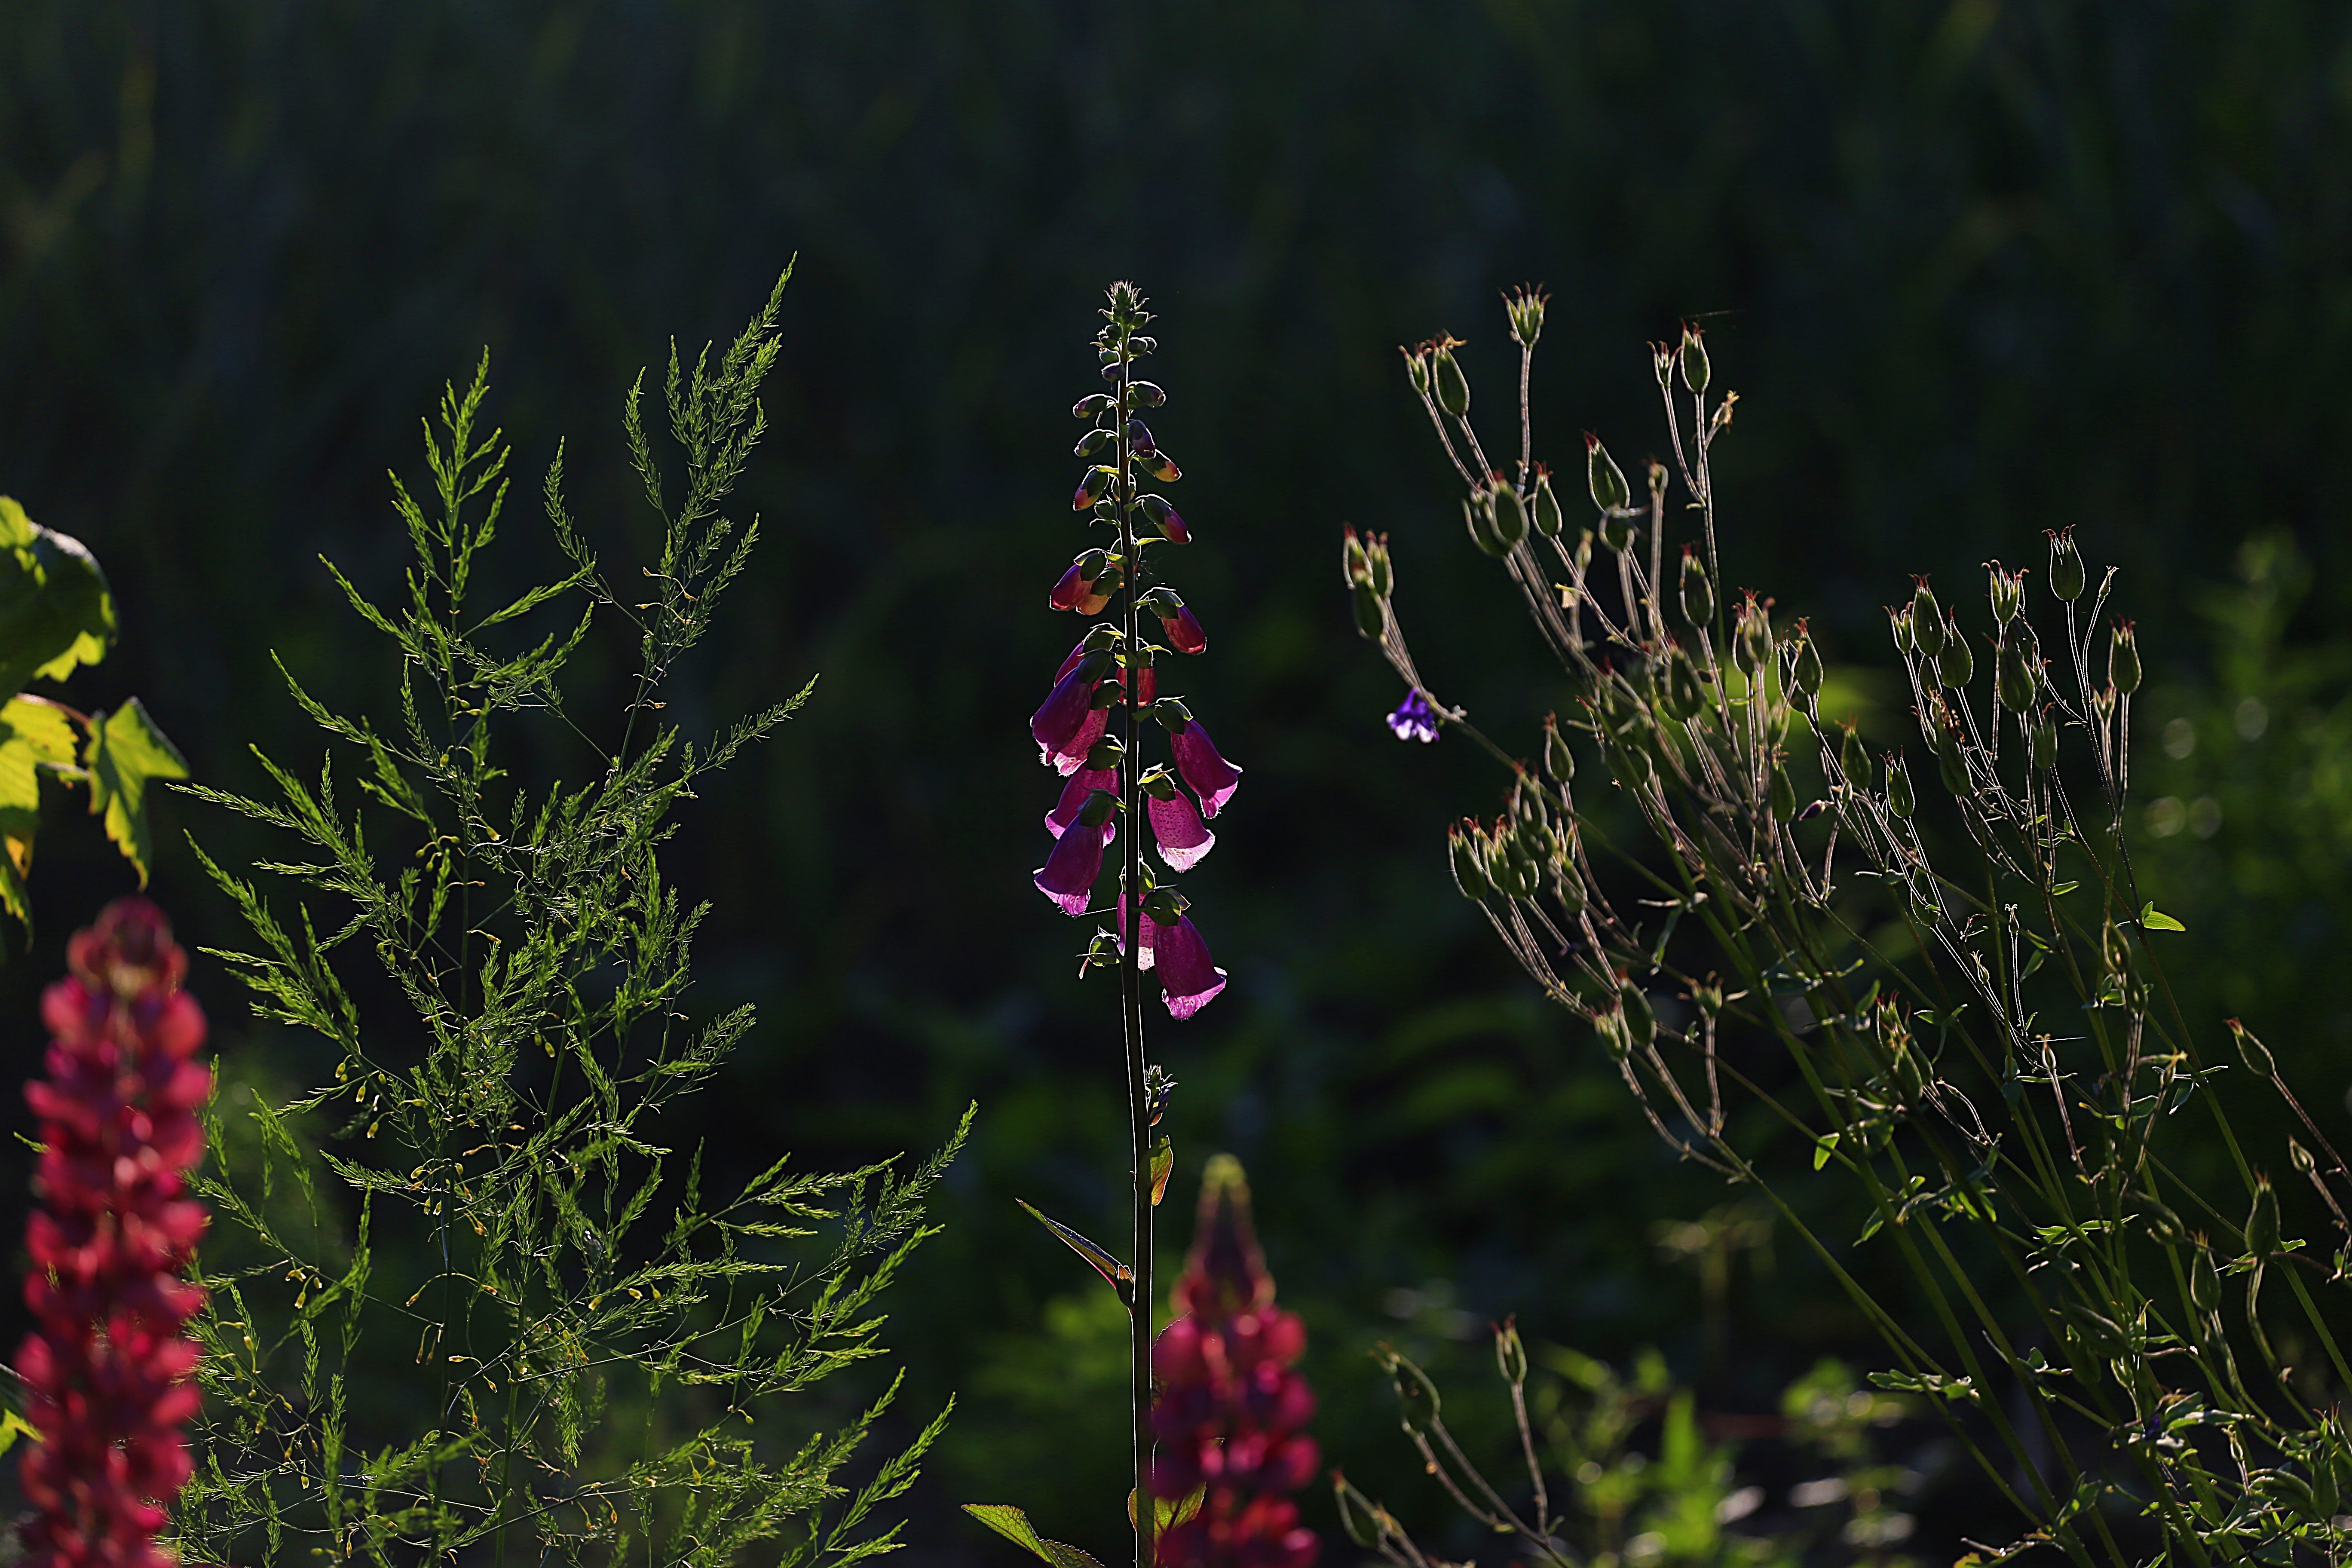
[
  {"x": 1545, "y": 513},
  {"x": 1525, "y": 309},
  {"x": 1353, "y": 561},
  {"x": 2262, "y": 1221},
  {"x": 1805, "y": 664},
  {"x": 1447, "y": 379},
  {"x": 2251, "y": 1051},
  {"x": 1926, "y": 622},
  {"x": 2017, "y": 673},
  {"x": 1679, "y": 695},
  {"x": 2204, "y": 1281},
  {"x": 1372, "y": 614},
  {"x": 2007, "y": 592},
  {"x": 1602, "y": 473},
  {"x": 1751, "y": 646},
  {"x": 1510, "y": 513},
  {"x": 2046, "y": 743},
  {"x": 1558, "y": 761},
  {"x": 2066, "y": 576},
  {"x": 1956, "y": 665},
  {"x": 1898, "y": 621},
  {"x": 1376, "y": 551},
  {"x": 1899, "y": 798},
  {"x": 1462, "y": 853},
  {"x": 1854, "y": 758},
  {"x": 1694, "y": 358},
  {"x": 1478, "y": 514},
  {"x": 1568, "y": 883},
  {"x": 1641, "y": 1023},
  {"x": 1698, "y": 593},
  {"x": 2123, "y": 660},
  {"x": 1951, "y": 764}
]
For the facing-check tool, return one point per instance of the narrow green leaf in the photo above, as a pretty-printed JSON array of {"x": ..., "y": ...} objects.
[
  {"x": 2153, "y": 919},
  {"x": 120, "y": 753},
  {"x": 1824, "y": 1147},
  {"x": 1115, "y": 1274},
  {"x": 1163, "y": 1164},
  {"x": 1013, "y": 1525}
]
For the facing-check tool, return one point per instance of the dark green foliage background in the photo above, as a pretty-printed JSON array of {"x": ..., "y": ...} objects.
[{"x": 1980, "y": 269}]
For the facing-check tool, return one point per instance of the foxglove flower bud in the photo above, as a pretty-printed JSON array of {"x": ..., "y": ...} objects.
[
  {"x": 105, "y": 1371},
  {"x": 1090, "y": 406},
  {"x": 1082, "y": 784},
  {"x": 2007, "y": 591},
  {"x": 1093, "y": 488},
  {"x": 1139, "y": 436},
  {"x": 1603, "y": 475},
  {"x": 1926, "y": 621},
  {"x": 2123, "y": 660},
  {"x": 1070, "y": 872},
  {"x": 1198, "y": 764},
  {"x": 1957, "y": 664},
  {"x": 1698, "y": 593},
  {"x": 1546, "y": 513},
  {"x": 2204, "y": 1282},
  {"x": 1175, "y": 824},
  {"x": 1176, "y": 623},
  {"x": 1088, "y": 585},
  {"x": 1899, "y": 798},
  {"x": 2066, "y": 574},
  {"x": 1093, "y": 441},
  {"x": 1447, "y": 379},
  {"x": 1156, "y": 463},
  {"x": 1510, "y": 513},
  {"x": 1164, "y": 518},
  {"x": 1145, "y": 394},
  {"x": 1694, "y": 358}
]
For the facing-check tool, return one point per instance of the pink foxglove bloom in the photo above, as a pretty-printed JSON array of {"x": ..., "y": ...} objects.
[
  {"x": 1189, "y": 980},
  {"x": 1070, "y": 872},
  {"x": 1183, "y": 631},
  {"x": 1068, "y": 724},
  {"x": 1213, "y": 778},
  {"x": 1150, "y": 683},
  {"x": 106, "y": 1369},
  {"x": 1176, "y": 824},
  {"x": 1232, "y": 1413},
  {"x": 1082, "y": 784}
]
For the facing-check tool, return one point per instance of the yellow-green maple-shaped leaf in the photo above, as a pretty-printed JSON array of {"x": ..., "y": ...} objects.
[
  {"x": 123, "y": 751},
  {"x": 55, "y": 610},
  {"x": 34, "y": 733}
]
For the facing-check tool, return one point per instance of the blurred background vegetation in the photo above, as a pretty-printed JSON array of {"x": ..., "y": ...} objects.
[{"x": 1980, "y": 269}]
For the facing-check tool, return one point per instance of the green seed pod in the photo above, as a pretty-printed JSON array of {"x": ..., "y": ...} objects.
[
  {"x": 1951, "y": 766},
  {"x": 1355, "y": 565},
  {"x": 1462, "y": 853},
  {"x": 1356, "y": 1516},
  {"x": 1910, "y": 1076},
  {"x": 1805, "y": 664},
  {"x": 1617, "y": 531},
  {"x": 1416, "y": 370},
  {"x": 1525, "y": 309},
  {"x": 1698, "y": 593},
  {"x": 1372, "y": 616},
  {"x": 1751, "y": 645},
  {"x": 2204, "y": 1281},
  {"x": 1679, "y": 695},
  {"x": 2251, "y": 1051},
  {"x": 1854, "y": 758},
  {"x": 2262, "y": 1220},
  {"x": 2016, "y": 676},
  {"x": 1546, "y": 514},
  {"x": 1610, "y": 1029},
  {"x": 1694, "y": 358},
  {"x": 1510, "y": 1355},
  {"x": 2067, "y": 579},
  {"x": 1926, "y": 622},
  {"x": 1923, "y": 908},
  {"x": 1899, "y": 798},
  {"x": 2123, "y": 660},
  {"x": 2007, "y": 592},
  {"x": 1376, "y": 552},
  {"x": 1478, "y": 512},
  {"x": 1416, "y": 1396},
  {"x": 1510, "y": 513},
  {"x": 1568, "y": 885},
  {"x": 1452, "y": 388},
  {"x": 1641, "y": 1023},
  {"x": 1956, "y": 665},
  {"x": 1783, "y": 796},
  {"x": 1558, "y": 761},
  {"x": 1898, "y": 621},
  {"x": 2046, "y": 743},
  {"x": 1602, "y": 473}
]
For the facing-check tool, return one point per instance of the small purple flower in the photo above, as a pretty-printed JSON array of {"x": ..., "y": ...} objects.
[
  {"x": 1189, "y": 981},
  {"x": 1414, "y": 718},
  {"x": 1213, "y": 778},
  {"x": 1070, "y": 872},
  {"x": 1176, "y": 824},
  {"x": 1083, "y": 783}
]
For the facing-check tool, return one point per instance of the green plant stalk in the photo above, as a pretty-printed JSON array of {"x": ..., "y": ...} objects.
[{"x": 1130, "y": 979}]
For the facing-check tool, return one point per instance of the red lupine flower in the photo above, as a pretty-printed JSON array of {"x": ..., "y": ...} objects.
[
  {"x": 1230, "y": 1413},
  {"x": 1213, "y": 778},
  {"x": 1070, "y": 872},
  {"x": 106, "y": 1369}
]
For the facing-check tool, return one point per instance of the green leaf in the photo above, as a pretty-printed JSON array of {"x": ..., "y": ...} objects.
[
  {"x": 121, "y": 754},
  {"x": 2153, "y": 919},
  {"x": 12, "y": 1426},
  {"x": 1163, "y": 1163},
  {"x": 1115, "y": 1274},
  {"x": 55, "y": 610},
  {"x": 1167, "y": 1514},
  {"x": 34, "y": 733},
  {"x": 1824, "y": 1146},
  {"x": 1013, "y": 1525}
]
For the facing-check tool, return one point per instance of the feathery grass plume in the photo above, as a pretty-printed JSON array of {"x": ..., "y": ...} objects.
[
  {"x": 1955, "y": 997},
  {"x": 599, "y": 1349},
  {"x": 105, "y": 1370}
]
